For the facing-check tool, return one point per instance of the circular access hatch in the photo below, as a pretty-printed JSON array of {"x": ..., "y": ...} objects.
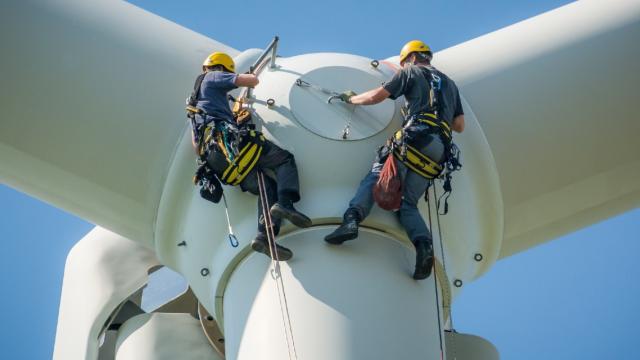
[{"x": 337, "y": 120}]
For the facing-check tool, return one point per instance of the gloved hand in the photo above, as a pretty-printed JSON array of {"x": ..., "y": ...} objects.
[{"x": 346, "y": 96}]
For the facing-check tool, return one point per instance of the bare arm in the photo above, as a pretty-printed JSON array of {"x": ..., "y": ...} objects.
[
  {"x": 247, "y": 80},
  {"x": 458, "y": 123},
  {"x": 370, "y": 97}
]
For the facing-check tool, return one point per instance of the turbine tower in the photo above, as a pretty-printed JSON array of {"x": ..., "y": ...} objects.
[{"x": 550, "y": 147}]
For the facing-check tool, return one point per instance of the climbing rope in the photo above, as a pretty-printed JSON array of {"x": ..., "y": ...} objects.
[
  {"x": 444, "y": 260},
  {"x": 275, "y": 262},
  {"x": 435, "y": 281}
]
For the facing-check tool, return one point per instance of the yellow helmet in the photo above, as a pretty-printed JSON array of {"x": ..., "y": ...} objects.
[
  {"x": 413, "y": 46},
  {"x": 220, "y": 58}
]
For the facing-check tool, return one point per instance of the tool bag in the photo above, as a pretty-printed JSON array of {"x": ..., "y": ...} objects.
[{"x": 387, "y": 192}]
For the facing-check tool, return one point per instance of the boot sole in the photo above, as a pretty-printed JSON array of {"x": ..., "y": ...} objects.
[
  {"x": 296, "y": 219},
  {"x": 339, "y": 239},
  {"x": 283, "y": 255},
  {"x": 423, "y": 272}
]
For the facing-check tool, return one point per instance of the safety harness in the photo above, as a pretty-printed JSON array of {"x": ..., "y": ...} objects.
[
  {"x": 232, "y": 163},
  {"x": 404, "y": 151},
  {"x": 412, "y": 157},
  {"x": 229, "y": 150}
]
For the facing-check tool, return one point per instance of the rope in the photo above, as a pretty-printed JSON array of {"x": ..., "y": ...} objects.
[
  {"x": 233, "y": 240},
  {"x": 435, "y": 281},
  {"x": 275, "y": 262},
  {"x": 444, "y": 260},
  {"x": 444, "y": 266}
]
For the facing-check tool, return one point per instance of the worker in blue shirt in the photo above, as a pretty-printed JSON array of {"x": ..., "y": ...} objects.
[{"x": 236, "y": 154}]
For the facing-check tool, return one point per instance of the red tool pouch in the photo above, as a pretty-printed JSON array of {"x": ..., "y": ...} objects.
[{"x": 387, "y": 192}]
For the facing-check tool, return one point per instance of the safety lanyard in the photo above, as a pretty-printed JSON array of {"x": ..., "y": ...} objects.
[{"x": 233, "y": 240}]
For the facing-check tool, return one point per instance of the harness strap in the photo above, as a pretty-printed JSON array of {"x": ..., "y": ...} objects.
[
  {"x": 192, "y": 100},
  {"x": 442, "y": 126},
  {"x": 416, "y": 161},
  {"x": 238, "y": 165}
]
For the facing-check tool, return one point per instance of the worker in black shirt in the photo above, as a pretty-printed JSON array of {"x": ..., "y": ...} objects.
[{"x": 433, "y": 110}]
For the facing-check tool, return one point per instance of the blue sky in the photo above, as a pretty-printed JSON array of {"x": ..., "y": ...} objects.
[{"x": 573, "y": 298}]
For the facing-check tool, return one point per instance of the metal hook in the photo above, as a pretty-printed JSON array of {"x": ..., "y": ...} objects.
[{"x": 345, "y": 133}]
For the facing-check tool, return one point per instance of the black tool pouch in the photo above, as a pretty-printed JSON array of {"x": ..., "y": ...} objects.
[{"x": 212, "y": 192}]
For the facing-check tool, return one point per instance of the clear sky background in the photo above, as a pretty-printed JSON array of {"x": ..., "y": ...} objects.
[{"x": 573, "y": 298}]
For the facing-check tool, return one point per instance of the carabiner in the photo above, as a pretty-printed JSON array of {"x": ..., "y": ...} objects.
[
  {"x": 233, "y": 240},
  {"x": 333, "y": 97}
]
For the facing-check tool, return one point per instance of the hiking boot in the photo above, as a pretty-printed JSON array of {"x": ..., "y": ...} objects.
[
  {"x": 261, "y": 244},
  {"x": 347, "y": 231},
  {"x": 424, "y": 260},
  {"x": 285, "y": 210}
]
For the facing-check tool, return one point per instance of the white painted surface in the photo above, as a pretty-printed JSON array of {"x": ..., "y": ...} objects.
[
  {"x": 469, "y": 347},
  {"x": 354, "y": 301},
  {"x": 92, "y": 102},
  {"x": 106, "y": 159},
  {"x": 163, "y": 337},
  {"x": 557, "y": 98},
  {"x": 102, "y": 270},
  {"x": 309, "y": 104}
]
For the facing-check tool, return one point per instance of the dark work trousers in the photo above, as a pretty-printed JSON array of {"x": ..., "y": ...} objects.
[
  {"x": 250, "y": 184},
  {"x": 413, "y": 187},
  {"x": 280, "y": 176},
  {"x": 278, "y": 165}
]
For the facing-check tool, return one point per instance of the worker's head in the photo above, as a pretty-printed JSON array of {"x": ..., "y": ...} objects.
[
  {"x": 219, "y": 61},
  {"x": 415, "y": 52}
]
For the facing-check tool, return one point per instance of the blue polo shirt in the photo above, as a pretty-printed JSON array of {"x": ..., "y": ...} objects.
[{"x": 213, "y": 94}]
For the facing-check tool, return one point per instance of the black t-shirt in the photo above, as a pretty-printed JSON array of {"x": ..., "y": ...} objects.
[{"x": 414, "y": 82}]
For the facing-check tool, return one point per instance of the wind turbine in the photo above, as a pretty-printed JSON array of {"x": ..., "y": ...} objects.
[{"x": 127, "y": 168}]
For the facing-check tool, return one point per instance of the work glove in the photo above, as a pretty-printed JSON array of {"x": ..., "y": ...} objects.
[{"x": 346, "y": 96}]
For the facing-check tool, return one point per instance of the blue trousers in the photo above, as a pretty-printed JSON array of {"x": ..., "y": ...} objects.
[{"x": 413, "y": 187}]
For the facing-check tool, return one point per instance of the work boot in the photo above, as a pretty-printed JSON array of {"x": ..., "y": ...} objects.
[
  {"x": 424, "y": 260},
  {"x": 285, "y": 210},
  {"x": 347, "y": 231},
  {"x": 261, "y": 244}
]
